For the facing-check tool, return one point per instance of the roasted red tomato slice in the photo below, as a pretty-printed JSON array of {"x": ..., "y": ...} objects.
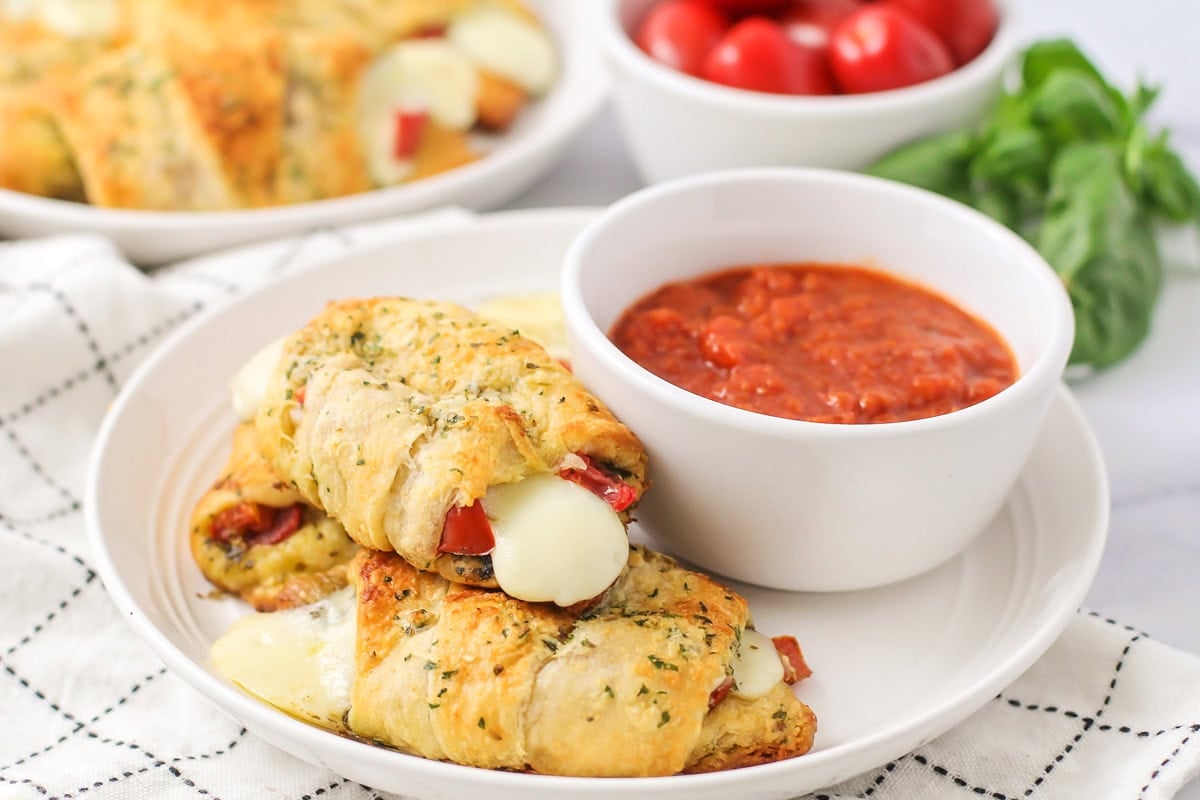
[
  {"x": 410, "y": 127},
  {"x": 236, "y": 520},
  {"x": 608, "y": 488},
  {"x": 794, "y": 667},
  {"x": 285, "y": 522},
  {"x": 256, "y": 523},
  {"x": 467, "y": 532},
  {"x": 719, "y": 693}
]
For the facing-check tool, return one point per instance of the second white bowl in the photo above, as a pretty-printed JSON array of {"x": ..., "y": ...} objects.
[{"x": 677, "y": 125}]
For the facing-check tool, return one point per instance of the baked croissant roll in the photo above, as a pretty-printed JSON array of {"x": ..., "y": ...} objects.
[
  {"x": 666, "y": 675},
  {"x": 250, "y": 103},
  {"x": 459, "y": 444},
  {"x": 254, "y": 536}
]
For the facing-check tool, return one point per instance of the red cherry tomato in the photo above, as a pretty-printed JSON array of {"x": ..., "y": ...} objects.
[
  {"x": 810, "y": 23},
  {"x": 756, "y": 54},
  {"x": 748, "y": 6},
  {"x": 467, "y": 531},
  {"x": 879, "y": 48},
  {"x": 966, "y": 26},
  {"x": 681, "y": 33}
]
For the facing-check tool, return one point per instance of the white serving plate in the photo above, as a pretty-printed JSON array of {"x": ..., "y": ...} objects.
[
  {"x": 894, "y": 667},
  {"x": 522, "y": 155}
]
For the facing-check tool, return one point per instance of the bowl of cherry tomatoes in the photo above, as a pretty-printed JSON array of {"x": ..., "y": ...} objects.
[{"x": 704, "y": 85}]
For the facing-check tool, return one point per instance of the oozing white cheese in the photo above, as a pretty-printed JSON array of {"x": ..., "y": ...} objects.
[
  {"x": 249, "y": 384},
  {"x": 555, "y": 541},
  {"x": 503, "y": 43},
  {"x": 537, "y": 316},
  {"x": 428, "y": 75},
  {"x": 300, "y": 660},
  {"x": 756, "y": 667}
]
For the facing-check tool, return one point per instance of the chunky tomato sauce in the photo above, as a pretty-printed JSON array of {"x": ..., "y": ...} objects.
[{"x": 816, "y": 342}]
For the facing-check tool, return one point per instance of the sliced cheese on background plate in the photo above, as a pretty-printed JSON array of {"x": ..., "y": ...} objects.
[
  {"x": 507, "y": 45},
  {"x": 418, "y": 75}
]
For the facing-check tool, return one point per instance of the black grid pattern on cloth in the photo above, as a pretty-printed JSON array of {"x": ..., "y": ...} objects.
[
  {"x": 170, "y": 764},
  {"x": 873, "y": 784},
  {"x": 131, "y": 756}
]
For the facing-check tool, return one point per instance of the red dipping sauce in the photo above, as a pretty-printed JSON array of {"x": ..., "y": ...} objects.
[{"x": 816, "y": 342}]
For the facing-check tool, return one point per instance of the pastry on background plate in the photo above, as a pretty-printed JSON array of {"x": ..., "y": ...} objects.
[
  {"x": 665, "y": 675},
  {"x": 210, "y": 106}
]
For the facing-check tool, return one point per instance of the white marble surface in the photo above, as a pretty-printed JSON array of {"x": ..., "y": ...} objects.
[{"x": 1145, "y": 411}]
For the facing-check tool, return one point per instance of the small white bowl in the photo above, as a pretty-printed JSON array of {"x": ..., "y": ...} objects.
[
  {"x": 677, "y": 125},
  {"x": 803, "y": 505}
]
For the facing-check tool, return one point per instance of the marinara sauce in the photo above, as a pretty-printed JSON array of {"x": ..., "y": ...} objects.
[{"x": 816, "y": 342}]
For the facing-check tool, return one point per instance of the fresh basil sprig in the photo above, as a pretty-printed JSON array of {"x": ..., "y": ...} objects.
[{"x": 1067, "y": 161}]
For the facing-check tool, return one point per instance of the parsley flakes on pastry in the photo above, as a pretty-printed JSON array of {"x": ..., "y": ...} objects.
[
  {"x": 658, "y": 678},
  {"x": 428, "y": 430}
]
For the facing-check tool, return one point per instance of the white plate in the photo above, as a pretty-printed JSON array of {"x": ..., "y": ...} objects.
[
  {"x": 894, "y": 667},
  {"x": 525, "y": 153}
]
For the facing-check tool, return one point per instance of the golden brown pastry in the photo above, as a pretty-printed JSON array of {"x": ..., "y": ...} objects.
[
  {"x": 638, "y": 686},
  {"x": 253, "y": 535},
  {"x": 397, "y": 416},
  {"x": 246, "y": 103},
  {"x": 34, "y": 157}
]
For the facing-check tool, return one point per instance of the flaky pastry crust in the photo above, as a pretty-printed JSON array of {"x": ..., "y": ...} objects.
[
  {"x": 473, "y": 676},
  {"x": 387, "y": 412}
]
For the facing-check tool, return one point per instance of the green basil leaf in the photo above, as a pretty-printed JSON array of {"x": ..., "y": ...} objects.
[
  {"x": 1071, "y": 105},
  {"x": 1043, "y": 59},
  {"x": 1098, "y": 240},
  {"x": 1167, "y": 186},
  {"x": 997, "y": 203},
  {"x": 938, "y": 163},
  {"x": 1067, "y": 162},
  {"x": 1114, "y": 299},
  {"x": 1012, "y": 154},
  {"x": 1143, "y": 97}
]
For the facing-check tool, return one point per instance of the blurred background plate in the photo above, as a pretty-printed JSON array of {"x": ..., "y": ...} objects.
[{"x": 534, "y": 144}]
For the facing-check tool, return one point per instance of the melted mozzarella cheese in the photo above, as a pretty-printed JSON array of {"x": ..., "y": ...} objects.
[
  {"x": 249, "y": 384},
  {"x": 428, "y": 75},
  {"x": 756, "y": 667},
  {"x": 537, "y": 316},
  {"x": 503, "y": 43},
  {"x": 555, "y": 541},
  {"x": 300, "y": 660}
]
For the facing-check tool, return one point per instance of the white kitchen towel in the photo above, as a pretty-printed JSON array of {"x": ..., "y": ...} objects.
[{"x": 86, "y": 711}]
